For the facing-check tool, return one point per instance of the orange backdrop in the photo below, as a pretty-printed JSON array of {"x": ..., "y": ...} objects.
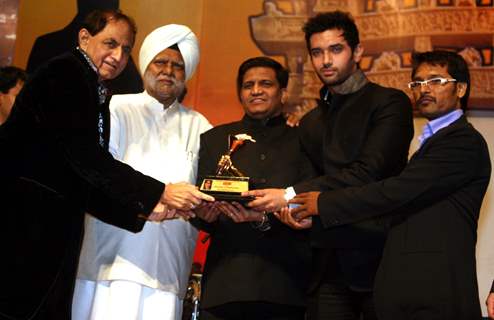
[{"x": 225, "y": 40}]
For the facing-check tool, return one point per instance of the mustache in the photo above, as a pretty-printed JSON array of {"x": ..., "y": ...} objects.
[
  {"x": 167, "y": 78},
  {"x": 426, "y": 96},
  {"x": 178, "y": 84}
]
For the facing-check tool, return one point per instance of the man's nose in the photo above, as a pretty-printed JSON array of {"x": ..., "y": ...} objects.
[
  {"x": 327, "y": 58},
  {"x": 256, "y": 89},
  {"x": 168, "y": 68},
  {"x": 424, "y": 87},
  {"x": 117, "y": 54}
]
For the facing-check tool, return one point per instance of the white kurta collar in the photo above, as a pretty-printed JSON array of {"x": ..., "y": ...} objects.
[{"x": 157, "y": 108}]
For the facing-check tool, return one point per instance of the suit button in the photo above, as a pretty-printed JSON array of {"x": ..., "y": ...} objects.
[{"x": 263, "y": 156}]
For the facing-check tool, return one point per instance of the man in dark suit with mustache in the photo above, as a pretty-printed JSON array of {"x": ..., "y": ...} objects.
[
  {"x": 256, "y": 267},
  {"x": 428, "y": 270}
]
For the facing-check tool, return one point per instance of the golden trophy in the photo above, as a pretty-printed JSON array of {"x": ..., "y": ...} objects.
[{"x": 228, "y": 182}]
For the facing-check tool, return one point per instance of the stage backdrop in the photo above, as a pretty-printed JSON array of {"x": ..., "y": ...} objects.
[
  {"x": 231, "y": 31},
  {"x": 8, "y": 23}
]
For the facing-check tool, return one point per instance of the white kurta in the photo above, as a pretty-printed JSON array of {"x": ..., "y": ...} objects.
[{"x": 164, "y": 144}]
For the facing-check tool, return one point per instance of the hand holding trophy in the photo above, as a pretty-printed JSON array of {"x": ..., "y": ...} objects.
[{"x": 228, "y": 182}]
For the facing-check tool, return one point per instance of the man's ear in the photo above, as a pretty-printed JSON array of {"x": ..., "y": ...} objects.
[
  {"x": 284, "y": 96},
  {"x": 461, "y": 89},
  {"x": 83, "y": 38},
  {"x": 357, "y": 53}
]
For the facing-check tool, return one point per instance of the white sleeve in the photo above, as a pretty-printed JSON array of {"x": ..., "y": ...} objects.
[{"x": 114, "y": 134}]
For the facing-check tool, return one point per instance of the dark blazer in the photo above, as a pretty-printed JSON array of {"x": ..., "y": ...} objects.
[
  {"x": 353, "y": 140},
  {"x": 54, "y": 170},
  {"x": 428, "y": 266},
  {"x": 245, "y": 264}
]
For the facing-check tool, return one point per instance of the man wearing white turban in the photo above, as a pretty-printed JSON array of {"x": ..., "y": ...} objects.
[{"x": 144, "y": 276}]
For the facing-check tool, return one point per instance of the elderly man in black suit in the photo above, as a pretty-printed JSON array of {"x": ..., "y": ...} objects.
[
  {"x": 428, "y": 270},
  {"x": 56, "y": 166},
  {"x": 55, "y": 43}
]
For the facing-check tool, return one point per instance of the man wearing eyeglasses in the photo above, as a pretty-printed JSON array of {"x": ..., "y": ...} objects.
[{"x": 428, "y": 266}]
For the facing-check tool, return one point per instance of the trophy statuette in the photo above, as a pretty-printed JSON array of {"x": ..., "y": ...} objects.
[{"x": 228, "y": 182}]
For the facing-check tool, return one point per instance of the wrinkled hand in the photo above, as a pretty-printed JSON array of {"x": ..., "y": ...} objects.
[
  {"x": 269, "y": 200},
  {"x": 490, "y": 305},
  {"x": 239, "y": 213},
  {"x": 307, "y": 202},
  {"x": 161, "y": 212},
  {"x": 185, "y": 214},
  {"x": 183, "y": 196},
  {"x": 208, "y": 211},
  {"x": 285, "y": 216}
]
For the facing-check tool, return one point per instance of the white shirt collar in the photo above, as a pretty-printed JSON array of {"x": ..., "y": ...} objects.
[{"x": 157, "y": 107}]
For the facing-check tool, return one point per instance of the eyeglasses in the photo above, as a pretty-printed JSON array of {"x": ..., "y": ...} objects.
[{"x": 431, "y": 83}]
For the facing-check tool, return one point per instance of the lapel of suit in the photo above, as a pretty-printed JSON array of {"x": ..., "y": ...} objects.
[
  {"x": 335, "y": 106},
  {"x": 456, "y": 125}
]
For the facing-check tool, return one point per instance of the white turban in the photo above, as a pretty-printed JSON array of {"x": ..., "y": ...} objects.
[{"x": 165, "y": 37}]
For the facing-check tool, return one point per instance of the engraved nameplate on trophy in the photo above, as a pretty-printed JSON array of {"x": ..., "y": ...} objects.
[{"x": 228, "y": 182}]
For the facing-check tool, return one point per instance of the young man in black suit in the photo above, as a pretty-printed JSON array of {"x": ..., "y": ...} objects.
[
  {"x": 428, "y": 270},
  {"x": 256, "y": 267},
  {"x": 359, "y": 133}
]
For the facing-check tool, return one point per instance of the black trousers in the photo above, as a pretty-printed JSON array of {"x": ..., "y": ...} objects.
[
  {"x": 336, "y": 301},
  {"x": 253, "y": 310}
]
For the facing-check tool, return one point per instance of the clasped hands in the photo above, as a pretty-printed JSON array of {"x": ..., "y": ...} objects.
[
  {"x": 210, "y": 212},
  {"x": 183, "y": 200},
  {"x": 178, "y": 201},
  {"x": 186, "y": 201},
  {"x": 304, "y": 206},
  {"x": 299, "y": 216}
]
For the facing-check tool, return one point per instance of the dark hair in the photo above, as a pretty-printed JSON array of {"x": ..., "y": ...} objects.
[
  {"x": 332, "y": 20},
  {"x": 280, "y": 71},
  {"x": 98, "y": 19},
  {"x": 456, "y": 66},
  {"x": 174, "y": 47},
  {"x": 9, "y": 76}
]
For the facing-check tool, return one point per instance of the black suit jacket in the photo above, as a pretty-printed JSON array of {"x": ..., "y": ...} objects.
[
  {"x": 245, "y": 264},
  {"x": 353, "y": 140},
  {"x": 54, "y": 170},
  {"x": 429, "y": 260}
]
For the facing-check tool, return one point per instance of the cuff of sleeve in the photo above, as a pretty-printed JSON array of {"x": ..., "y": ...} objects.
[
  {"x": 289, "y": 194},
  {"x": 328, "y": 218}
]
